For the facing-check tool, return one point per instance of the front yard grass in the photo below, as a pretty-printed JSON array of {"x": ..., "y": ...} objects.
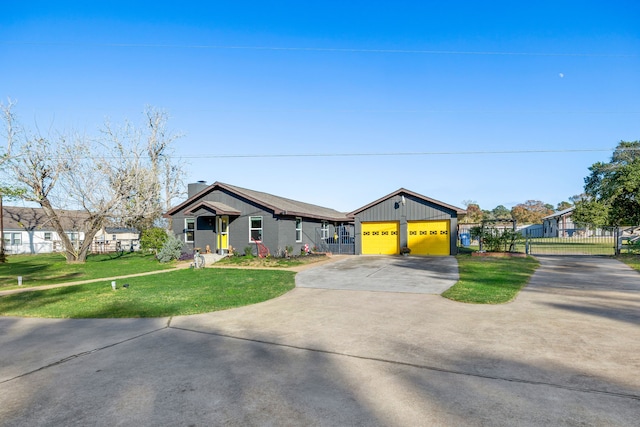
[
  {"x": 179, "y": 292},
  {"x": 631, "y": 260},
  {"x": 46, "y": 269},
  {"x": 487, "y": 280}
]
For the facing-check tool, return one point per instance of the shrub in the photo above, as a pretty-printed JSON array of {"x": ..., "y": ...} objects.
[
  {"x": 153, "y": 239},
  {"x": 172, "y": 249},
  {"x": 495, "y": 239},
  {"x": 248, "y": 251}
]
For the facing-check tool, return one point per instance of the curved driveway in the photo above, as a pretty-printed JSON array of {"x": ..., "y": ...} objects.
[{"x": 565, "y": 352}]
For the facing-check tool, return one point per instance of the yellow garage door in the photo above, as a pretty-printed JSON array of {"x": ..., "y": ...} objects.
[
  {"x": 380, "y": 238},
  {"x": 429, "y": 237}
]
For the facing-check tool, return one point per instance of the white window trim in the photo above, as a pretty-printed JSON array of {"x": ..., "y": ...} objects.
[
  {"x": 188, "y": 221},
  {"x": 298, "y": 229},
  {"x": 11, "y": 238},
  {"x": 324, "y": 230},
  {"x": 251, "y": 218}
]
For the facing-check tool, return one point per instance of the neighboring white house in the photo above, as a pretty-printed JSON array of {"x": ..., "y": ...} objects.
[
  {"x": 29, "y": 231},
  {"x": 113, "y": 239},
  {"x": 559, "y": 224}
]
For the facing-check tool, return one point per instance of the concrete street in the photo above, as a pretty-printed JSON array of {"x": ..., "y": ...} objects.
[{"x": 565, "y": 352}]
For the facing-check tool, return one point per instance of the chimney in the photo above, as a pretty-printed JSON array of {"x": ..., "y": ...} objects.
[{"x": 196, "y": 187}]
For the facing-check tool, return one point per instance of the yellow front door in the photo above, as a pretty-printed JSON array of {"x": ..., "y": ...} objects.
[
  {"x": 223, "y": 233},
  {"x": 429, "y": 237},
  {"x": 380, "y": 238}
]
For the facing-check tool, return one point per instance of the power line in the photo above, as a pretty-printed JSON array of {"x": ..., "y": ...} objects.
[
  {"x": 334, "y": 155},
  {"x": 396, "y": 154},
  {"x": 318, "y": 49}
]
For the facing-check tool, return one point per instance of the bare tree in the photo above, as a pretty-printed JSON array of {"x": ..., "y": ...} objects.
[
  {"x": 158, "y": 177},
  {"x": 116, "y": 177},
  {"x": 11, "y": 132}
]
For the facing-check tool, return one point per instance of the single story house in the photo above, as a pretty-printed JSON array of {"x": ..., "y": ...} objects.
[
  {"x": 221, "y": 217},
  {"x": 29, "y": 231},
  {"x": 404, "y": 219},
  {"x": 559, "y": 224},
  {"x": 113, "y": 239}
]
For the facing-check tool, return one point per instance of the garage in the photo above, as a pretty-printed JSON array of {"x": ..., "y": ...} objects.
[
  {"x": 428, "y": 237},
  {"x": 381, "y": 238},
  {"x": 405, "y": 219}
]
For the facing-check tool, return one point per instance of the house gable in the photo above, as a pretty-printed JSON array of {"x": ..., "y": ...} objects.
[
  {"x": 405, "y": 214},
  {"x": 390, "y": 203}
]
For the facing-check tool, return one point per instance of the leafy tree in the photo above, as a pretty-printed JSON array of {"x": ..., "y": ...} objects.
[
  {"x": 500, "y": 212},
  {"x": 152, "y": 239},
  {"x": 591, "y": 212},
  {"x": 474, "y": 213},
  {"x": 612, "y": 190},
  {"x": 531, "y": 212},
  {"x": 563, "y": 205}
]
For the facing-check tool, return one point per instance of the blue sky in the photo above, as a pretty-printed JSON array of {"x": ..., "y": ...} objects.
[{"x": 496, "y": 102}]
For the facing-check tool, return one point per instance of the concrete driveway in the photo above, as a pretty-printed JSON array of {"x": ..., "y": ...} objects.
[
  {"x": 421, "y": 275},
  {"x": 565, "y": 353}
]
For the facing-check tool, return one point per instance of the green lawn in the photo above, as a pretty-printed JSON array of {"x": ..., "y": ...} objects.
[
  {"x": 631, "y": 260},
  {"x": 37, "y": 270},
  {"x": 487, "y": 280},
  {"x": 173, "y": 293}
]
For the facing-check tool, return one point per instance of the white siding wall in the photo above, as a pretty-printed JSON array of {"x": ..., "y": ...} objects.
[{"x": 32, "y": 242}]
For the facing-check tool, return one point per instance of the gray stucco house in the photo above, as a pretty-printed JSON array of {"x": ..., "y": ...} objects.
[{"x": 222, "y": 217}]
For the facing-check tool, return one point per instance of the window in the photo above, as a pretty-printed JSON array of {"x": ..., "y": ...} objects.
[
  {"x": 16, "y": 238},
  {"x": 255, "y": 228},
  {"x": 73, "y": 237},
  {"x": 12, "y": 239},
  {"x": 324, "y": 230},
  {"x": 298, "y": 229},
  {"x": 47, "y": 236},
  {"x": 189, "y": 229}
]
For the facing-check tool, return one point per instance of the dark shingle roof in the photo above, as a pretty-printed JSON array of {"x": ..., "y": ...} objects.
[
  {"x": 19, "y": 218},
  {"x": 279, "y": 205},
  {"x": 217, "y": 207}
]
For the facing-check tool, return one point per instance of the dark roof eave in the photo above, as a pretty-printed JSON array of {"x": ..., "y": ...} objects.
[
  {"x": 455, "y": 209},
  {"x": 322, "y": 217}
]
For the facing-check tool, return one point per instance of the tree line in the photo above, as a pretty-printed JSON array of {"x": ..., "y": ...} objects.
[
  {"x": 611, "y": 196},
  {"x": 124, "y": 175}
]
